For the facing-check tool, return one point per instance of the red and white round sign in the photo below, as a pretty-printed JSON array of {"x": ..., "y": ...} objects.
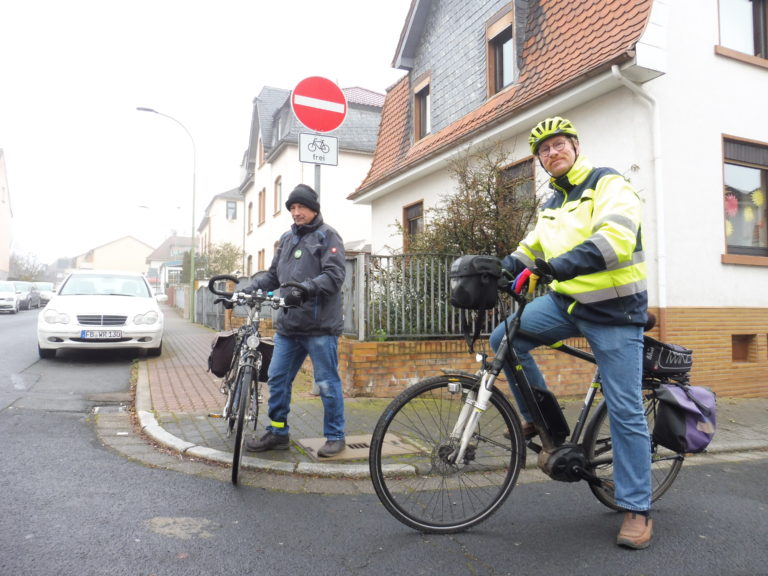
[{"x": 319, "y": 104}]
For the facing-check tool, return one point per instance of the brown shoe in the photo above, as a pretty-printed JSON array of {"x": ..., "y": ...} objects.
[
  {"x": 636, "y": 531},
  {"x": 529, "y": 431}
]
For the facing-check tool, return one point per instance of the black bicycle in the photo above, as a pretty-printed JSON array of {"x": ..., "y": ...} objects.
[
  {"x": 249, "y": 365},
  {"x": 446, "y": 453}
]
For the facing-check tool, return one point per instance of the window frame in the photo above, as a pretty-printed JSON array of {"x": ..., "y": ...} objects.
[
  {"x": 759, "y": 24},
  {"x": 278, "y": 195},
  {"x": 408, "y": 233},
  {"x": 231, "y": 210},
  {"x": 262, "y": 206},
  {"x": 422, "y": 109},
  {"x": 499, "y": 33},
  {"x": 734, "y": 254}
]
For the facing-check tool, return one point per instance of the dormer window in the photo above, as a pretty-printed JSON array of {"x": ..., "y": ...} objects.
[
  {"x": 501, "y": 53},
  {"x": 422, "y": 110}
]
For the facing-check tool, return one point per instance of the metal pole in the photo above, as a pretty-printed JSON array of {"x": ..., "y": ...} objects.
[{"x": 192, "y": 274}]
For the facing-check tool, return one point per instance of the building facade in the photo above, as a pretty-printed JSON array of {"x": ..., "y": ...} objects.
[{"x": 670, "y": 104}]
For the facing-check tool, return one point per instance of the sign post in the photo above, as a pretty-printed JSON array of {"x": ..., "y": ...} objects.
[{"x": 321, "y": 106}]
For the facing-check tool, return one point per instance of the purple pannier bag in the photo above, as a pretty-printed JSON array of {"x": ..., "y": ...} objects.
[{"x": 686, "y": 417}]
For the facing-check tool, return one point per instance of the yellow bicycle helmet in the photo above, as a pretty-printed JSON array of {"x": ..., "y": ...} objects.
[{"x": 548, "y": 128}]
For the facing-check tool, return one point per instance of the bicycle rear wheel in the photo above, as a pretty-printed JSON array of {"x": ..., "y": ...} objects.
[
  {"x": 244, "y": 398},
  {"x": 409, "y": 457},
  {"x": 665, "y": 464}
]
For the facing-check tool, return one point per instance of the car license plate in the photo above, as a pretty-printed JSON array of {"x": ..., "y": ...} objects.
[{"x": 100, "y": 334}]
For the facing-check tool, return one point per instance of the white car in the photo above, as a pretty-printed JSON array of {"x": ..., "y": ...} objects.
[
  {"x": 9, "y": 298},
  {"x": 95, "y": 309},
  {"x": 46, "y": 291}
]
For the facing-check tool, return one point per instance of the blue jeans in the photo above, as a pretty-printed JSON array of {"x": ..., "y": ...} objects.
[
  {"x": 619, "y": 351},
  {"x": 288, "y": 356}
]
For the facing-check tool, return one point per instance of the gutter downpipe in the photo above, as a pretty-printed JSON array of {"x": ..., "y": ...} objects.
[{"x": 661, "y": 250}]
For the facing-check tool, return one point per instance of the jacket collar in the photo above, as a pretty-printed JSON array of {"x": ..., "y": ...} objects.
[
  {"x": 575, "y": 176},
  {"x": 307, "y": 228}
]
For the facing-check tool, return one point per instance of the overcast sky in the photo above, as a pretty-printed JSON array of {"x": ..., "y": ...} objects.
[{"x": 85, "y": 168}]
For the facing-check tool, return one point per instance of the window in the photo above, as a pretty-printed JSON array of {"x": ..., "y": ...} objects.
[
  {"x": 501, "y": 53},
  {"x": 745, "y": 180},
  {"x": 278, "y": 194},
  {"x": 517, "y": 203},
  {"x": 261, "y": 257},
  {"x": 231, "y": 210},
  {"x": 744, "y": 26},
  {"x": 413, "y": 216},
  {"x": 250, "y": 217},
  {"x": 249, "y": 265},
  {"x": 262, "y": 205},
  {"x": 422, "y": 110}
]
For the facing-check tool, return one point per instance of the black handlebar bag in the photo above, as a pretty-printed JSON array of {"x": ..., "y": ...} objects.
[{"x": 474, "y": 282}]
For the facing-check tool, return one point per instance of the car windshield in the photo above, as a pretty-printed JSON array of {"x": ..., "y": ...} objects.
[
  {"x": 45, "y": 286},
  {"x": 100, "y": 285},
  {"x": 7, "y": 287},
  {"x": 23, "y": 286}
]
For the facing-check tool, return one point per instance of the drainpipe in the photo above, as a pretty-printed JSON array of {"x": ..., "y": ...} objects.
[{"x": 658, "y": 186}]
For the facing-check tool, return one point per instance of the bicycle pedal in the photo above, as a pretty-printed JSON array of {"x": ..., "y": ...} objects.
[
  {"x": 533, "y": 446},
  {"x": 212, "y": 415}
]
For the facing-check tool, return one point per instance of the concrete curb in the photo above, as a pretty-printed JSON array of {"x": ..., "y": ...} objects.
[{"x": 149, "y": 426}]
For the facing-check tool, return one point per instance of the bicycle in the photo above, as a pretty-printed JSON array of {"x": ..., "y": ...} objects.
[
  {"x": 446, "y": 453},
  {"x": 250, "y": 361}
]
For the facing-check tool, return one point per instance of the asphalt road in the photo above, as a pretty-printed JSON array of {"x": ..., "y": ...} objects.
[{"x": 72, "y": 505}]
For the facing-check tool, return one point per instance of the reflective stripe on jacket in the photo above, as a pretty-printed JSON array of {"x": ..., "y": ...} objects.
[{"x": 590, "y": 233}]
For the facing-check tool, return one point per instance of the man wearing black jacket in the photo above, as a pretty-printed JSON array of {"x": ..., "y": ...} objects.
[{"x": 310, "y": 256}]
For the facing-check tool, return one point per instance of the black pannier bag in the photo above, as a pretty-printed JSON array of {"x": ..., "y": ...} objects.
[
  {"x": 474, "y": 282},
  {"x": 664, "y": 359},
  {"x": 222, "y": 352}
]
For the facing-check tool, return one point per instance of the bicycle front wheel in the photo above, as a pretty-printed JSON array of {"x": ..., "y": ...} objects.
[
  {"x": 665, "y": 464},
  {"x": 411, "y": 463},
  {"x": 244, "y": 398}
]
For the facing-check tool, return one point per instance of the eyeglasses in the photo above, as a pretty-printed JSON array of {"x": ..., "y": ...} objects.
[{"x": 546, "y": 149}]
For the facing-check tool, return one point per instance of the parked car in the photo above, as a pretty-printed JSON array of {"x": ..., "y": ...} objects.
[
  {"x": 9, "y": 298},
  {"x": 29, "y": 296},
  {"x": 100, "y": 309},
  {"x": 46, "y": 291}
]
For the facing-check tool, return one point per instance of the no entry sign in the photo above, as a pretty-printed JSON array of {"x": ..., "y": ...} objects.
[{"x": 319, "y": 104}]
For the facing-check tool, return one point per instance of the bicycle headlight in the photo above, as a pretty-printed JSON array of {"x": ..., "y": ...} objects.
[{"x": 252, "y": 341}]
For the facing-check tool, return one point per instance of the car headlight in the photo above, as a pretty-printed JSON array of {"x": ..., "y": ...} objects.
[
  {"x": 55, "y": 317},
  {"x": 148, "y": 318}
]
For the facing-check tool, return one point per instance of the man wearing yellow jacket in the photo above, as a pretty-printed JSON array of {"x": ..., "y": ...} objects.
[{"x": 588, "y": 243}]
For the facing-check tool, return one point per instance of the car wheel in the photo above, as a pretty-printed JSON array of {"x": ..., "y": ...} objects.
[
  {"x": 155, "y": 352},
  {"x": 46, "y": 352}
]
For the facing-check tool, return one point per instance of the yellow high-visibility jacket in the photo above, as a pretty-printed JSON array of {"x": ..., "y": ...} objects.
[{"x": 589, "y": 231}]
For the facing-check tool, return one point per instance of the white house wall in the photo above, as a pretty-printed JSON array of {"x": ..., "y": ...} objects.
[{"x": 703, "y": 97}]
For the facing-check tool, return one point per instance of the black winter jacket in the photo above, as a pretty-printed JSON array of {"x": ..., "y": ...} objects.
[{"x": 312, "y": 254}]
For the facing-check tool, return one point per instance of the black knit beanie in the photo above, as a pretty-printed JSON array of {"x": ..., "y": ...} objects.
[{"x": 303, "y": 194}]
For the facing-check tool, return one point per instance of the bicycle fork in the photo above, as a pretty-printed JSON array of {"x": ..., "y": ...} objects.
[{"x": 469, "y": 417}]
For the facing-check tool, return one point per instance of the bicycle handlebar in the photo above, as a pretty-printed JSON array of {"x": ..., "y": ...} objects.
[{"x": 240, "y": 298}]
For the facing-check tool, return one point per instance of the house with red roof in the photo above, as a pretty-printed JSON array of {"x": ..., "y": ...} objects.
[{"x": 670, "y": 94}]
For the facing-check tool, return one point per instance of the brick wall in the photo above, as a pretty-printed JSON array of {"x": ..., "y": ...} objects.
[{"x": 730, "y": 356}]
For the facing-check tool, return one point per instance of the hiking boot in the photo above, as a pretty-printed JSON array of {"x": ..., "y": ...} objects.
[
  {"x": 636, "y": 531},
  {"x": 529, "y": 431},
  {"x": 331, "y": 448},
  {"x": 267, "y": 442}
]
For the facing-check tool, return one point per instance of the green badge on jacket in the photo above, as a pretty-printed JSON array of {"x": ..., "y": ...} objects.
[{"x": 297, "y": 254}]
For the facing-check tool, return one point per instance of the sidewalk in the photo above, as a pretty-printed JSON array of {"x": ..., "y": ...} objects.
[{"x": 175, "y": 395}]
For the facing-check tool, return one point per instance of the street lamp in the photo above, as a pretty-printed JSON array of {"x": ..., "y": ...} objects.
[{"x": 194, "y": 172}]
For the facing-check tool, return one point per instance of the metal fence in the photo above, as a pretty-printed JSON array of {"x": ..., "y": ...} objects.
[
  {"x": 404, "y": 296},
  {"x": 389, "y": 297}
]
